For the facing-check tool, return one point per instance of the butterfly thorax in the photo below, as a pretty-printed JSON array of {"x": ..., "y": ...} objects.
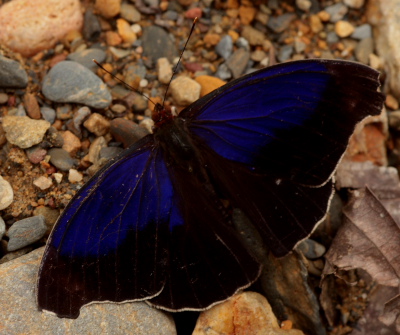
[{"x": 161, "y": 115}]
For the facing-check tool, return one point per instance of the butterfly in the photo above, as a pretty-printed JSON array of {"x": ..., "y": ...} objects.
[{"x": 155, "y": 223}]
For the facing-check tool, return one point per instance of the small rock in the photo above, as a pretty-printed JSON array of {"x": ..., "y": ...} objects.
[
  {"x": 253, "y": 36},
  {"x": 49, "y": 114},
  {"x": 2, "y": 227},
  {"x": 343, "y": 29},
  {"x": 223, "y": 72},
  {"x": 74, "y": 176},
  {"x": 209, "y": 84},
  {"x": 97, "y": 124},
  {"x": 311, "y": 249},
  {"x": 185, "y": 90},
  {"x": 3, "y": 96},
  {"x": 364, "y": 49},
  {"x": 391, "y": 102},
  {"x": 241, "y": 42},
  {"x": 354, "y": 3},
  {"x": 375, "y": 62},
  {"x": 258, "y": 55},
  {"x": 36, "y": 154},
  {"x": 50, "y": 215},
  {"x": 212, "y": 39},
  {"x": 112, "y": 38},
  {"x": 118, "y": 108},
  {"x": 6, "y": 193},
  {"x": 280, "y": 23},
  {"x": 156, "y": 44},
  {"x": 125, "y": 31},
  {"x": 43, "y": 182},
  {"x": 24, "y": 132},
  {"x": 224, "y": 47},
  {"x": 91, "y": 26},
  {"x": 299, "y": 45},
  {"x": 54, "y": 138},
  {"x": 72, "y": 144},
  {"x": 316, "y": 24},
  {"x": 147, "y": 125},
  {"x": 130, "y": 13},
  {"x": 336, "y": 12},
  {"x": 72, "y": 82},
  {"x": 244, "y": 313},
  {"x": 108, "y": 8},
  {"x": 394, "y": 119},
  {"x": 304, "y": 5},
  {"x": 32, "y": 106},
  {"x": 237, "y": 63},
  {"x": 79, "y": 117},
  {"x": 64, "y": 112},
  {"x": 94, "y": 149},
  {"x": 108, "y": 153},
  {"x": 32, "y": 26},
  {"x": 194, "y": 12},
  {"x": 85, "y": 58},
  {"x": 58, "y": 177},
  {"x": 285, "y": 53},
  {"x": 361, "y": 32},
  {"x": 12, "y": 74},
  {"x": 61, "y": 159},
  {"x": 126, "y": 132},
  {"x": 26, "y": 232},
  {"x": 164, "y": 70},
  {"x": 247, "y": 14}
]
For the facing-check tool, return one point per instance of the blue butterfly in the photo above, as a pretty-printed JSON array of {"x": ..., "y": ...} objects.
[{"x": 153, "y": 224}]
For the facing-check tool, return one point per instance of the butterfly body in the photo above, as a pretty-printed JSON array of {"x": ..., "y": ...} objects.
[{"x": 151, "y": 224}]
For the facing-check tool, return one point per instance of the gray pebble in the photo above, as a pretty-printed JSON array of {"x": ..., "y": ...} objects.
[
  {"x": 109, "y": 152},
  {"x": 6, "y": 193},
  {"x": 12, "y": 74},
  {"x": 55, "y": 138},
  {"x": 224, "y": 47},
  {"x": 336, "y": 11},
  {"x": 3, "y": 98},
  {"x": 331, "y": 37},
  {"x": 61, "y": 159},
  {"x": 170, "y": 15},
  {"x": 152, "y": 3},
  {"x": 134, "y": 71},
  {"x": 243, "y": 43},
  {"x": 237, "y": 63},
  {"x": 156, "y": 44},
  {"x": 223, "y": 72},
  {"x": 311, "y": 249},
  {"x": 49, "y": 114},
  {"x": 361, "y": 32},
  {"x": 80, "y": 116},
  {"x": 64, "y": 112},
  {"x": 126, "y": 131},
  {"x": 253, "y": 36},
  {"x": 285, "y": 53},
  {"x": 364, "y": 49},
  {"x": 280, "y": 23},
  {"x": 26, "y": 232},
  {"x": 23, "y": 131},
  {"x": 130, "y": 13},
  {"x": 2, "y": 227},
  {"x": 72, "y": 82},
  {"x": 91, "y": 26},
  {"x": 299, "y": 45},
  {"x": 85, "y": 58}
]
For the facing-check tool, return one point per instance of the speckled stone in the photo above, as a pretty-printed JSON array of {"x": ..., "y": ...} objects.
[
  {"x": 24, "y": 132},
  {"x": 26, "y": 232},
  {"x": 12, "y": 74},
  {"x": 61, "y": 159}
]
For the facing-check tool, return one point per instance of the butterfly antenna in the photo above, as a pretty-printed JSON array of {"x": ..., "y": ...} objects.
[
  {"x": 180, "y": 57},
  {"x": 121, "y": 81}
]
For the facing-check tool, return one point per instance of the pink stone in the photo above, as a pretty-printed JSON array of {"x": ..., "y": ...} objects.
[{"x": 29, "y": 26}]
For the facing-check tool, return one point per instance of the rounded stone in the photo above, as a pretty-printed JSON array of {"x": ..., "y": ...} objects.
[
  {"x": 185, "y": 90},
  {"x": 12, "y": 74},
  {"x": 6, "y": 193},
  {"x": 26, "y": 232}
]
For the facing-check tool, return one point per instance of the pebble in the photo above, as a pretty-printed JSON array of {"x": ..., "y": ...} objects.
[
  {"x": 375, "y": 62},
  {"x": 253, "y": 36},
  {"x": 164, "y": 70},
  {"x": 391, "y": 102},
  {"x": 72, "y": 82},
  {"x": 54, "y": 137},
  {"x": 130, "y": 13},
  {"x": 64, "y": 112},
  {"x": 343, "y": 28},
  {"x": 247, "y": 14},
  {"x": 336, "y": 12},
  {"x": 126, "y": 131},
  {"x": 97, "y": 124},
  {"x": 12, "y": 74},
  {"x": 58, "y": 177},
  {"x": 120, "y": 53},
  {"x": 258, "y": 55},
  {"x": 74, "y": 176},
  {"x": 241, "y": 42},
  {"x": 244, "y": 313},
  {"x": 91, "y": 26},
  {"x": 136, "y": 102},
  {"x": 3, "y": 97},
  {"x": 85, "y": 58},
  {"x": 237, "y": 63},
  {"x": 224, "y": 47},
  {"x": 194, "y": 12},
  {"x": 36, "y": 154},
  {"x": 108, "y": 8},
  {"x": 49, "y": 114},
  {"x": 354, "y": 3},
  {"x": 6, "y": 193},
  {"x": 61, "y": 159},
  {"x": 223, "y": 72},
  {"x": 72, "y": 144},
  {"x": 43, "y": 183},
  {"x": 79, "y": 117},
  {"x": 316, "y": 24},
  {"x": 304, "y": 5},
  {"x": 50, "y": 215},
  {"x": 134, "y": 73},
  {"x": 26, "y": 232},
  {"x": 311, "y": 249},
  {"x": 32, "y": 106},
  {"x": 209, "y": 84},
  {"x": 2, "y": 227},
  {"x": 118, "y": 108},
  {"x": 32, "y": 26},
  {"x": 94, "y": 149},
  {"x": 361, "y": 32},
  {"x": 285, "y": 53},
  {"x": 212, "y": 39},
  {"x": 125, "y": 31},
  {"x": 280, "y": 23},
  {"x": 299, "y": 45},
  {"x": 156, "y": 44},
  {"x": 108, "y": 153},
  {"x": 364, "y": 49},
  {"x": 112, "y": 38},
  {"x": 23, "y": 131},
  {"x": 147, "y": 124},
  {"x": 394, "y": 119},
  {"x": 184, "y": 90}
]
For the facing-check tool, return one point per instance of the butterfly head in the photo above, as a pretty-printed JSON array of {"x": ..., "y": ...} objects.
[{"x": 161, "y": 115}]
